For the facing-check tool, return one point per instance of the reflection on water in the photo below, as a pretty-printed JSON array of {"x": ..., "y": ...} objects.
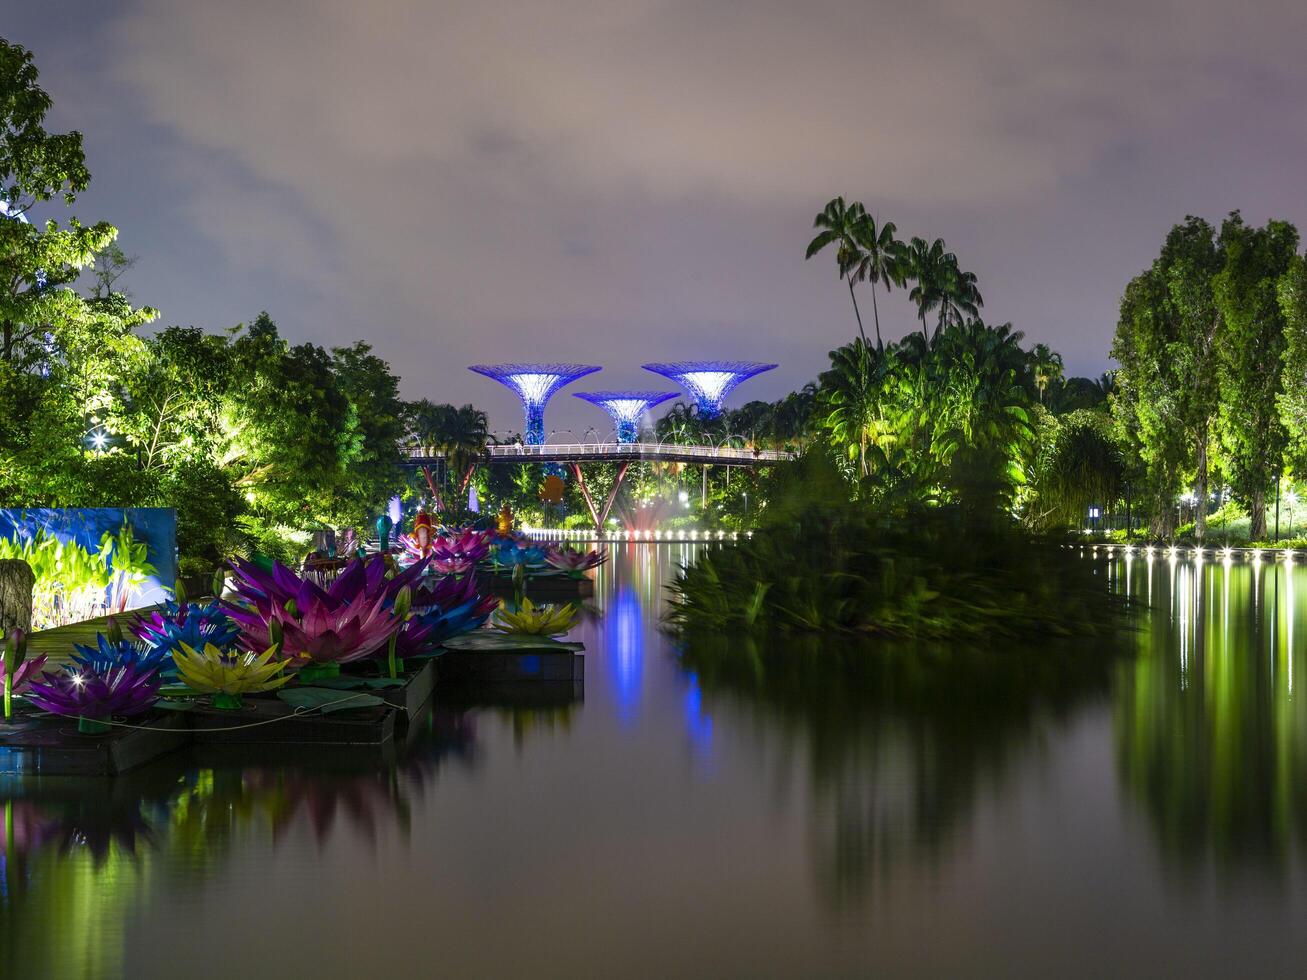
[
  {"x": 898, "y": 741},
  {"x": 803, "y": 808},
  {"x": 1211, "y": 742}
]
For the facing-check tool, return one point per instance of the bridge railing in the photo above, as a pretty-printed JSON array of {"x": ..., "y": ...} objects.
[{"x": 625, "y": 450}]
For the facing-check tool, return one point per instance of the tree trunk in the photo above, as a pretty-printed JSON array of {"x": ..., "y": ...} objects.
[
  {"x": 436, "y": 502},
  {"x": 1200, "y": 490},
  {"x": 880, "y": 345},
  {"x": 861, "y": 333},
  {"x": 1257, "y": 523},
  {"x": 1161, "y": 520},
  {"x": 16, "y": 584}
]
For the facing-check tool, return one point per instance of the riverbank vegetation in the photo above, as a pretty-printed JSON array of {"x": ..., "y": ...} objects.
[{"x": 257, "y": 440}]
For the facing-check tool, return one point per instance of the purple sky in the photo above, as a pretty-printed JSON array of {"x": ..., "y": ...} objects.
[{"x": 621, "y": 181}]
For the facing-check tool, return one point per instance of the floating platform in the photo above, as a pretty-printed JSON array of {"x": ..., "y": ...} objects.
[
  {"x": 510, "y": 695},
  {"x": 420, "y": 682},
  {"x": 47, "y": 745},
  {"x": 271, "y": 721},
  {"x": 517, "y": 666},
  {"x": 546, "y": 588}
]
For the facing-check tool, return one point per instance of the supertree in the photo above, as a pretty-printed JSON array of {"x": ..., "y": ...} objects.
[
  {"x": 535, "y": 384},
  {"x": 709, "y": 381},
  {"x": 625, "y": 407}
]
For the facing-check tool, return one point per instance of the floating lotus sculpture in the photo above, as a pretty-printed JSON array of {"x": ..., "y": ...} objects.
[
  {"x": 227, "y": 675},
  {"x": 459, "y": 554},
  {"x": 449, "y": 593},
  {"x": 514, "y": 553},
  {"x": 572, "y": 561},
  {"x": 16, "y": 671},
  {"x": 321, "y": 635},
  {"x": 262, "y": 589},
  {"x": 191, "y": 624},
  {"x": 93, "y": 697},
  {"x": 533, "y": 620},
  {"x": 112, "y": 650}
]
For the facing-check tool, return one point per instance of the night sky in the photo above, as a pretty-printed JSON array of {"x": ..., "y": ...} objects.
[{"x": 621, "y": 181}]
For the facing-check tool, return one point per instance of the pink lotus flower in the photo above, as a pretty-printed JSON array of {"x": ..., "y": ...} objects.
[
  {"x": 570, "y": 560},
  {"x": 458, "y": 554},
  {"x": 322, "y": 632}
]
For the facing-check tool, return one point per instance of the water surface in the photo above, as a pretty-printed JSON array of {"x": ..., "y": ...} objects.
[{"x": 1070, "y": 810}]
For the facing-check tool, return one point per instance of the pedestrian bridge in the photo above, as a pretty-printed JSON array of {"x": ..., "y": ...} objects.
[
  {"x": 616, "y": 452},
  {"x": 575, "y": 454}
]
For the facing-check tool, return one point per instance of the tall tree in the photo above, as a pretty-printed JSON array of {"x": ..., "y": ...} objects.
[
  {"x": 840, "y": 226},
  {"x": 458, "y": 434},
  {"x": 1191, "y": 258},
  {"x": 1293, "y": 399},
  {"x": 930, "y": 267},
  {"x": 35, "y": 263},
  {"x": 879, "y": 261},
  {"x": 1251, "y": 369},
  {"x": 1168, "y": 343},
  {"x": 1146, "y": 405},
  {"x": 1045, "y": 368},
  {"x": 374, "y": 470}
]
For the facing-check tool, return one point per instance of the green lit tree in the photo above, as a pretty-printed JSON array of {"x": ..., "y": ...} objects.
[
  {"x": 1251, "y": 368},
  {"x": 843, "y": 226}
]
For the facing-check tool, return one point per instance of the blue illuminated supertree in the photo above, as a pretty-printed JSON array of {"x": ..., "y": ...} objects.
[
  {"x": 625, "y": 407},
  {"x": 535, "y": 384},
  {"x": 709, "y": 381}
]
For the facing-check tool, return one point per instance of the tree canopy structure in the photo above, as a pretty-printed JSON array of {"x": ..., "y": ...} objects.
[
  {"x": 535, "y": 384},
  {"x": 709, "y": 382},
  {"x": 625, "y": 407}
]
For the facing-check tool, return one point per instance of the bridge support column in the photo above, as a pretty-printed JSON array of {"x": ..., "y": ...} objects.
[{"x": 600, "y": 517}]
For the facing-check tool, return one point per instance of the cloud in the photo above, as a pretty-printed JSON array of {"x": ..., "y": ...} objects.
[{"x": 571, "y": 177}]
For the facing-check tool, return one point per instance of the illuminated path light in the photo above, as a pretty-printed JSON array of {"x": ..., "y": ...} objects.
[
  {"x": 709, "y": 382},
  {"x": 625, "y": 407},
  {"x": 535, "y": 384}
]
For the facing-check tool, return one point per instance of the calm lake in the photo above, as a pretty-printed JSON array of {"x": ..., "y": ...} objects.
[{"x": 1074, "y": 810}]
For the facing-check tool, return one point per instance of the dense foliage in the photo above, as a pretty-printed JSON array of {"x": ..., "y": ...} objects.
[
  {"x": 824, "y": 564},
  {"x": 1212, "y": 375},
  {"x": 251, "y": 438}
]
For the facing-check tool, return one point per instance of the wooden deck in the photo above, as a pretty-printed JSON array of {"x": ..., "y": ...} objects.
[{"x": 57, "y": 643}]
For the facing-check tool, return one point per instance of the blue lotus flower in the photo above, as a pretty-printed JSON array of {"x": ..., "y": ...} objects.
[
  {"x": 512, "y": 553},
  {"x": 192, "y": 624},
  {"x": 107, "y": 655},
  {"x": 455, "y": 621}
]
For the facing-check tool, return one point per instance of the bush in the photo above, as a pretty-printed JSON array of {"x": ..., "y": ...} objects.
[{"x": 943, "y": 572}]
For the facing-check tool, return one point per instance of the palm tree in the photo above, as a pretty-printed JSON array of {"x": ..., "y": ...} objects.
[
  {"x": 880, "y": 260},
  {"x": 840, "y": 225},
  {"x": 932, "y": 268},
  {"x": 457, "y": 434},
  {"x": 852, "y": 389},
  {"x": 962, "y": 299},
  {"x": 1045, "y": 368}
]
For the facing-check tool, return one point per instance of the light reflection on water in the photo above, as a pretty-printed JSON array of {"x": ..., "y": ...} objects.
[{"x": 808, "y": 809}]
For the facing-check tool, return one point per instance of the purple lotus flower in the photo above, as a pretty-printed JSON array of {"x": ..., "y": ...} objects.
[
  {"x": 24, "y": 673},
  {"x": 263, "y": 589},
  {"x": 125, "y": 690},
  {"x": 447, "y": 594}
]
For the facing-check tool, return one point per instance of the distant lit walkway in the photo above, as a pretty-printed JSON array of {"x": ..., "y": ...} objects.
[
  {"x": 617, "y": 452},
  {"x": 1190, "y": 552}
]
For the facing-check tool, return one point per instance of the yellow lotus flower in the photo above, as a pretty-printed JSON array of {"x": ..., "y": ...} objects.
[
  {"x": 544, "y": 620},
  {"x": 229, "y": 675}
]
